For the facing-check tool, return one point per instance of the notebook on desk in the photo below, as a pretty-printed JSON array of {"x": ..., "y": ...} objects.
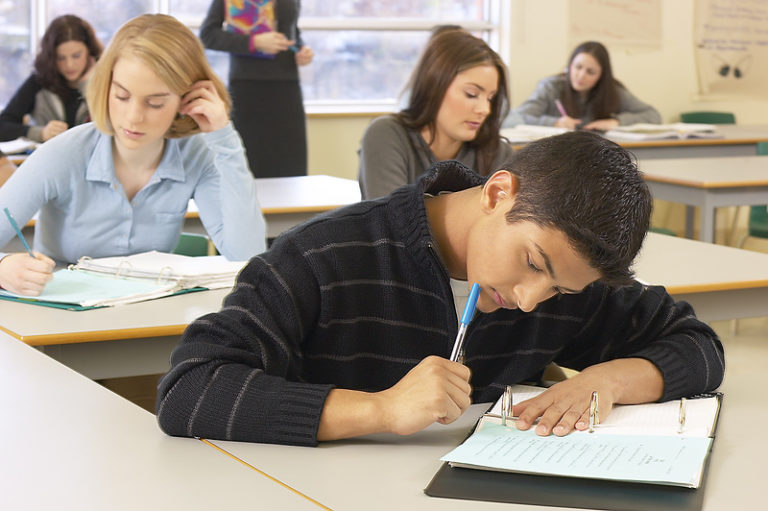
[
  {"x": 644, "y": 131},
  {"x": 110, "y": 281},
  {"x": 617, "y": 467}
]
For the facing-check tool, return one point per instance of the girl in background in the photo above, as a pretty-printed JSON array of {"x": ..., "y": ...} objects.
[
  {"x": 457, "y": 101},
  {"x": 53, "y": 95},
  {"x": 585, "y": 96}
]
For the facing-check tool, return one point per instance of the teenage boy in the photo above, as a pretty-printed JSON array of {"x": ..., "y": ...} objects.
[{"x": 345, "y": 325}]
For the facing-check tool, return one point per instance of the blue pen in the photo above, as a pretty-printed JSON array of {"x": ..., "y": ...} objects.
[
  {"x": 294, "y": 48},
  {"x": 457, "y": 355},
  {"x": 18, "y": 231}
]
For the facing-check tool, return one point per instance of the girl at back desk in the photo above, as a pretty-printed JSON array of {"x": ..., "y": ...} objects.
[
  {"x": 53, "y": 94},
  {"x": 120, "y": 185},
  {"x": 457, "y": 100},
  {"x": 585, "y": 96}
]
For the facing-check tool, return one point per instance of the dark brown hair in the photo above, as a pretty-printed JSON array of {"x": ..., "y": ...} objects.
[
  {"x": 447, "y": 54},
  {"x": 590, "y": 189},
  {"x": 604, "y": 96},
  {"x": 61, "y": 30}
]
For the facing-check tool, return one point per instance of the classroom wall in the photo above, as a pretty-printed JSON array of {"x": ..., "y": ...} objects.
[{"x": 664, "y": 77}]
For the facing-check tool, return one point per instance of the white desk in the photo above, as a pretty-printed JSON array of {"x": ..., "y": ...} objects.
[
  {"x": 289, "y": 201},
  {"x": 708, "y": 183},
  {"x": 141, "y": 335},
  {"x": 385, "y": 472},
  {"x": 738, "y": 140},
  {"x": 719, "y": 282},
  {"x": 70, "y": 444}
]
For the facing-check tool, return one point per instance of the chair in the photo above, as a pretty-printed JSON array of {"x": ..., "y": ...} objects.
[
  {"x": 708, "y": 117},
  {"x": 191, "y": 244},
  {"x": 663, "y": 230}
]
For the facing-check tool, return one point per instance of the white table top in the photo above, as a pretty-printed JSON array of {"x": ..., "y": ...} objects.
[
  {"x": 383, "y": 472},
  {"x": 70, "y": 444},
  {"x": 725, "y": 172},
  {"x": 689, "y": 266}
]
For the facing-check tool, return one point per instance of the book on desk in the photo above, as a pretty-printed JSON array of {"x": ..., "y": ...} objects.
[
  {"x": 110, "y": 281},
  {"x": 637, "y": 455},
  {"x": 644, "y": 131}
]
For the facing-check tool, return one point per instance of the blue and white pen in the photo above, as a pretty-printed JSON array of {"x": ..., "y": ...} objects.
[
  {"x": 18, "y": 232},
  {"x": 457, "y": 355}
]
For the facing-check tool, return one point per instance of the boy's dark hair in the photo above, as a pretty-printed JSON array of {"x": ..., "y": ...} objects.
[{"x": 590, "y": 189}]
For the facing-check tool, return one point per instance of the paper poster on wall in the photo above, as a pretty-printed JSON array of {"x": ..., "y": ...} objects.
[
  {"x": 731, "y": 46},
  {"x": 628, "y": 23}
]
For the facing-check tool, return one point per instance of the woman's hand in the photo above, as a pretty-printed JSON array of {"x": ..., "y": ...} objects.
[
  {"x": 25, "y": 275},
  {"x": 304, "y": 56},
  {"x": 54, "y": 128},
  {"x": 271, "y": 42},
  {"x": 567, "y": 122},
  {"x": 204, "y": 105}
]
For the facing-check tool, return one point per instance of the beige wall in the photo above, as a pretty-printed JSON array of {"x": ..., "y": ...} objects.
[{"x": 664, "y": 77}]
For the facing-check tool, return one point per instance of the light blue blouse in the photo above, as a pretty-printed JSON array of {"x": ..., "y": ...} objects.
[{"x": 84, "y": 211}]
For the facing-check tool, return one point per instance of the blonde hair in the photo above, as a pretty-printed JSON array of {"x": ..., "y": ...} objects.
[{"x": 170, "y": 50}]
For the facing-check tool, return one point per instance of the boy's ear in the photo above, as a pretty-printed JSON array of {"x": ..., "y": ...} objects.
[{"x": 500, "y": 187}]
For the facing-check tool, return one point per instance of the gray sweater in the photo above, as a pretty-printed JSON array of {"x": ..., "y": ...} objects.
[
  {"x": 357, "y": 297},
  {"x": 541, "y": 109},
  {"x": 392, "y": 155}
]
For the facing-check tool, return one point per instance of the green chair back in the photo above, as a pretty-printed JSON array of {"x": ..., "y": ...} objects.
[
  {"x": 191, "y": 244},
  {"x": 708, "y": 117},
  {"x": 663, "y": 230},
  {"x": 758, "y": 215}
]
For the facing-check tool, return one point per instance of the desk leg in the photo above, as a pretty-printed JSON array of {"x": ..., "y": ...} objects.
[
  {"x": 689, "y": 217},
  {"x": 707, "y": 222}
]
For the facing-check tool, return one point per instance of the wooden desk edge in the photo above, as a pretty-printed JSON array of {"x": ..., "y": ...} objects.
[
  {"x": 97, "y": 335},
  {"x": 703, "y": 184},
  {"x": 725, "y": 286}
]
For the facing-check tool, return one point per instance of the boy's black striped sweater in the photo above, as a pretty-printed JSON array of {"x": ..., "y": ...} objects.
[{"x": 356, "y": 298}]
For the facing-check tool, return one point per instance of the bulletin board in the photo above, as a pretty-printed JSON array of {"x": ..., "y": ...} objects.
[
  {"x": 629, "y": 23},
  {"x": 731, "y": 47}
]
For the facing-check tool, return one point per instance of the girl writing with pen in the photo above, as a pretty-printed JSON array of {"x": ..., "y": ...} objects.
[
  {"x": 120, "y": 185},
  {"x": 53, "y": 94},
  {"x": 585, "y": 96}
]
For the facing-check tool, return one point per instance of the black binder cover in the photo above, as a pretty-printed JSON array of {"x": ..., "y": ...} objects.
[{"x": 472, "y": 484}]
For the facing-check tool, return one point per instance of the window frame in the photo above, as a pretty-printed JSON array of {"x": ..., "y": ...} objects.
[{"x": 495, "y": 29}]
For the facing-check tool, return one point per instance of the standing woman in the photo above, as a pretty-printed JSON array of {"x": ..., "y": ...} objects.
[
  {"x": 53, "y": 94},
  {"x": 590, "y": 97},
  {"x": 120, "y": 185},
  {"x": 458, "y": 99},
  {"x": 267, "y": 104}
]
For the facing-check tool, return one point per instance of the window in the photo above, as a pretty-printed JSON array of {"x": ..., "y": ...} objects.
[{"x": 364, "y": 49}]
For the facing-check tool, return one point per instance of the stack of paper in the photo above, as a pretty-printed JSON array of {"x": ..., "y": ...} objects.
[
  {"x": 211, "y": 272},
  {"x": 635, "y": 443},
  {"x": 527, "y": 132},
  {"x": 645, "y": 131},
  {"x": 18, "y": 146}
]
